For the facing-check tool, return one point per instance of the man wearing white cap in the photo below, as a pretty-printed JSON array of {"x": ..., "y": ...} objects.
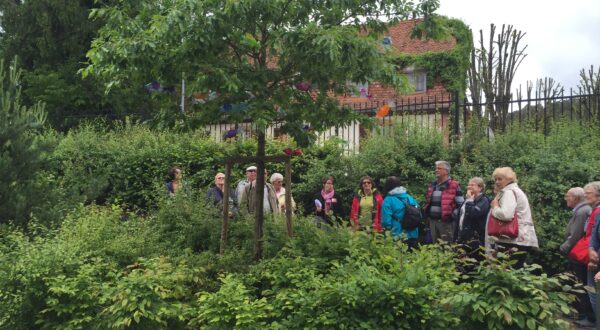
[
  {"x": 247, "y": 200},
  {"x": 250, "y": 177}
]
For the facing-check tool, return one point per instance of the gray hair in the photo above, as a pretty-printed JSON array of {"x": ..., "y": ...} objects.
[
  {"x": 577, "y": 193},
  {"x": 479, "y": 182},
  {"x": 443, "y": 163},
  {"x": 276, "y": 177},
  {"x": 593, "y": 186}
]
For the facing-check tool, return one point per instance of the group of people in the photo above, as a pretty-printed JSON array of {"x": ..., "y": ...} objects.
[
  {"x": 582, "y": 244},
  {"x": 448, "y": 215},
  {"x": 451, "y": 217}
]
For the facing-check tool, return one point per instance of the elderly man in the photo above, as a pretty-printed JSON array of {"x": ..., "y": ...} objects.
[
  {"x": 581, "y": 212},
  {"x": 250, "y": 177},
  {"x": 575, "y": 199},
  {"x": 443, "y": 196},
  {"x": 248, "y": 199}
]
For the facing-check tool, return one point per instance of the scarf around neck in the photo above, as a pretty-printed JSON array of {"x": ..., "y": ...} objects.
[{"x": 327, "y": 197}]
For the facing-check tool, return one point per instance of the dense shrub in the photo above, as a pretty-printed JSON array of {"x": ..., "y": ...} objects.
[
  {"x": 104, "y": 263},
  {"x": 129, "y": 166},
  {"x": 100, "y": 271},
  {"x": 502, "y": 298}
]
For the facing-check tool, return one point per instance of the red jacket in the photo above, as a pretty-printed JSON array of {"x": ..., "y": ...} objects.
[
  {"x": 376, "y": 216},
  {"x": 450, "y": 192}
]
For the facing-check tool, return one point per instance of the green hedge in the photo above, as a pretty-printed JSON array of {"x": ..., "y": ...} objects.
[
  {"x": 127, "y": 167},
  {"x": 98, "y": 271}
]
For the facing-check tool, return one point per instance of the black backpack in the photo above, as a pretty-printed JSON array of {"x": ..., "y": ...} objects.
[{"x": 412, "y": 216}]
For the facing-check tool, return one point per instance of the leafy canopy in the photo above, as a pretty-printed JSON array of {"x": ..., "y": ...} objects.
[{"x": 253, "y": 52}]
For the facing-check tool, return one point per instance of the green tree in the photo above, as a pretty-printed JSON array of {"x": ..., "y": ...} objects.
[
  {"x": 51, "y": 38},
  {"x": 21, "y": 152},
  {"x": 269, "y": 60}
]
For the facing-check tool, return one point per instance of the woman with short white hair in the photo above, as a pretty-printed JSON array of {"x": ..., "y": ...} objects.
[{"x": 277, "y": 182}]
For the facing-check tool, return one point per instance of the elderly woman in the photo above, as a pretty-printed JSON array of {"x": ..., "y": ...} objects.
[
  {"x": 511, "y": 200},
  {"x": 366, "y": 206},
  {"x": 472, "y": 216},
  {"x": 328, "y": 203},
  {"x": 277, "y": 182}
]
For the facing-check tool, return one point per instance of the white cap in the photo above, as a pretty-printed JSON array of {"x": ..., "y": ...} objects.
[{"x": 251, "y": 168}]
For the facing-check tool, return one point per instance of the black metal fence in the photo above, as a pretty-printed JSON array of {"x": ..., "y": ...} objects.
[
  {"x": 446, "y": 113},
  {"x": 539, "y": 112},
  {"x": 431, "y": 112}
]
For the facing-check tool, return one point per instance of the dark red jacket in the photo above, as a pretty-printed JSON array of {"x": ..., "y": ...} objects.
[
  {"x": 376, "y": 216},
  {"x": 450, "y": 191}
]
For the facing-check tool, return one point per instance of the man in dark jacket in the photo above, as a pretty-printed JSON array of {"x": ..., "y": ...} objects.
[{"x": 443, "y": 196}]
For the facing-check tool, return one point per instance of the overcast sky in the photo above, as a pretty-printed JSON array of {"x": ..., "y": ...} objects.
[{"x": 562, "y": 37}]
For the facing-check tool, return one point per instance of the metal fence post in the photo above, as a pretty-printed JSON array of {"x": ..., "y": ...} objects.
[{"x": 456, "y": 116}]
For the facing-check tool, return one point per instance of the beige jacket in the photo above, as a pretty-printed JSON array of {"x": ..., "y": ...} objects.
[
  {"x": 248, "y": 199},
  {"x": 281, "y": 200},
  {"x": 506, "y": 211}
]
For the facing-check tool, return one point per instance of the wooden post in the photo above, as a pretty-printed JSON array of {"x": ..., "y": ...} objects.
[
  {"x": 258, "y": 226},
  {"x": 288, "y": 197},
  {"x": 225, "y": 223},
  {"x": 260, "y": 190}
]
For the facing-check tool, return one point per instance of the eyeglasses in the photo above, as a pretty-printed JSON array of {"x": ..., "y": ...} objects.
[
  {"x": 221, "y": 178},
  {"x": 367, "y": 182},
  {"x": 251, "y": 171}
]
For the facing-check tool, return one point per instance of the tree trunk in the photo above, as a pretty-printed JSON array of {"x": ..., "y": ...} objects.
[
  {"x": 260, "y": 192},
  {"x": 493, "y": 67}
]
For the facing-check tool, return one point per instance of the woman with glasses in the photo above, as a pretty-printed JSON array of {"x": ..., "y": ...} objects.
[
  {"x": 328, "y": 204},
  {"x": 277, "y": 182},
  {"x": 215, "y": 193},
  {"x": 471, "y": 217},
  {"x": 366, "y": 206}
]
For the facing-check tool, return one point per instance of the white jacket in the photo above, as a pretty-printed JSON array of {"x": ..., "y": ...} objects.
[{"x": 506, "y": 210}]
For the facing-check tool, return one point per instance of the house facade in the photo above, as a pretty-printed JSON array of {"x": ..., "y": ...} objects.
[
  {"x": 398, "y": 39},
  {"x": 427, "y": 105}
]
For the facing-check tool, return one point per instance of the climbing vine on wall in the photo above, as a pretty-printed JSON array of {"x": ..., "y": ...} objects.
[{"x": 450, "y": 67}]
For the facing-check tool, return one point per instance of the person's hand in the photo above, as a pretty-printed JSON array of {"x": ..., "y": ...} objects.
[
  {"x": 469, "y": 194},
  {"x": 318, "y": 209},
  {"x": 592, "y": 265},
  {"x": 597, "y": 277},
  {"x": 594, "y": 257},
  {"x": 495, "y": 203}
]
